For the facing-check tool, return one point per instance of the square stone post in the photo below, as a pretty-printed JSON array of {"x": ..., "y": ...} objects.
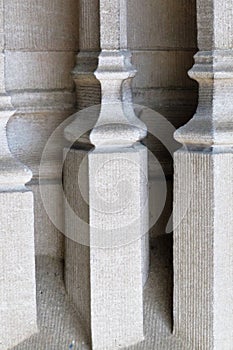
[
  {"x": 203, "y": 220},
  {"x": 17, "y": 260},
  {"x": 114, "y": 262}
]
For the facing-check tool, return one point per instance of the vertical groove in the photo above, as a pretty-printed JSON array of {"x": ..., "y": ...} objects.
[{"x": 193, "y": 249}]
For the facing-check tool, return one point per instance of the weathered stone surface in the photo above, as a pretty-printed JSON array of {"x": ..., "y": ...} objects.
[
  {"x": 17, "y": 269},
  {"x": 122, "y": 246},
  {"x": 118, "y": 208},
  {"x": 212, "y": 123},
  {"x": 89, "y": 26},
  {"x": 2, "y": 80},
  {"x": 215, "y": 30},
  {"x": 203, "y": 192},
  {"x": 43, "y": 25},
  {"x": 78, "y": 265},
  {"x": 78, "y": 248},
  {"x": 61, "y": 326},
  {"x": 162, "y": 69},
  {"x": 87, "y": 86},
  {"x": 17, "y": 265},
  {"x": 117, "y": 212},
  {"x": 113, "y": 25},
  {"x": 117, "y": 240},
  {"x": 28, "y": 131},
  {"x": 162, "y": 38},
  {"x": 41, "y": 40},
  {"x": 163, "y": 24},
  {"x": 17, "y": 258},
  {"x": 203, "y": 249},
  {"x": 39, "y": 70},
  {"x": 48, "y": 239}
]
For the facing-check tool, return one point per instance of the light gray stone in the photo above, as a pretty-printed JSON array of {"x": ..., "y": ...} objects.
[
  {"x": 89, "y": 250},
  {"x": 39, "y": 70},
  {"x": 77, "y": 240},
  {"x": 118, "y": 195},
  {"x": 41, "y": 40},
  {"x": 87, "y": 86},
  {"x": 18, "y": 315},
  {"x": 117, "y": 212},
  {"x": 17, "y": 265},
  {"x": 203, "y": 279},
  {"x": 203, "y": 249},
  {"x": 118, "y": 250},
  {"x": 17, "y": 287},
  {"x": 41, "y": 26}
]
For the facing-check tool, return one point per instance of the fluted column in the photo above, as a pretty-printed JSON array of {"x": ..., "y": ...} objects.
[
  {"x": 17, "y": 266},
  {"x": 203, "y": 235}
]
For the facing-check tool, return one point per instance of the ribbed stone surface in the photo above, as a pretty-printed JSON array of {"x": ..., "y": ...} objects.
[
  {"x": 113, "y": 29},
  {"x": 117, "y": 191},
  {"x": 97, "y": 278},
  {"x": 161, "y": 24},
  {"x": 17, "y": 269},
  {"x": 39, "y": 70},
  {"x": 41, "y": 40},
  {"x": 118, "y": 209},
  {"x": 89, "y": 25},
  {"x": 163, "y": 69},
  {"x": 193, "y": 249},
  {"x": 18, "y": 312},
  {"x": 77, "y": 249},
  {"x": 215, "y": 24},
  {"x": 60, "y": 326},
  {"x": 203, "y": 299},
  {"x": 41, "y": 25}
]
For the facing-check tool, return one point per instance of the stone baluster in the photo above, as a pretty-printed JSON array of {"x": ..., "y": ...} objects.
[
  {"x": 117, "y": 193},
  {"x": 17, "y": 266},
  {"x": 114, "y": 265},
  {"x": 203, "y": 235}
]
